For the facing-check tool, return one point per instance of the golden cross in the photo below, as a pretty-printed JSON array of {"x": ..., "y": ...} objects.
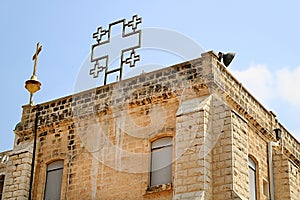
[{"x": 35, "y": 56}]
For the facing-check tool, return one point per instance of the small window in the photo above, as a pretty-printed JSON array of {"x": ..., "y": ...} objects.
[
  {"x": 266, "y": 188},
  {"x": 252, "y": 179},
  {"x": 3, "y": 158},
  {"x": 54, "y": 180},
  {"x": 2, "y": 177},
  {"x": 161, "y": 161}
]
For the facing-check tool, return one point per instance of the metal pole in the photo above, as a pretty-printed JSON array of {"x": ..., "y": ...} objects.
[{"x": 33, "y": 151}]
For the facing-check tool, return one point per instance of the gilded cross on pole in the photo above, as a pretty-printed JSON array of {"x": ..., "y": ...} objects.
[
  {"x": 33, "y": 85},
  {"x": 35, "y": 57}
]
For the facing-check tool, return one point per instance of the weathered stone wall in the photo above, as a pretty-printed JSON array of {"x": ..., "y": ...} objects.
[
  {"x": 294, "y": 181},
  {"x": 105, "y": 142},
  {"x": 281, "y": 177},
  {"x": 222, "y": 158},
  {"x": 286, "y": 177},
  {"x": 259, "y": 132},
  {"x": 193, "y": 163},
  {"x": 4, "y": 157},
  {"x": 104, "y": 136},
  {"x": 240, "y": 156},
  {"x": 101, "y": 155},
  {"x": 252, "y": 110},
  {"x": 17, "y": 174}
]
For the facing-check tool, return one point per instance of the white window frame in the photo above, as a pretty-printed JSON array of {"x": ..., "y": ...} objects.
[{"x": 252, "y": 179}]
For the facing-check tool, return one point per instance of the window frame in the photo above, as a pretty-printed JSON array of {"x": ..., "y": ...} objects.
[
  {"x": 169, "y": 144},
  {"x": 253, "y": 167},
  {"x": 62, "y": 167},
  {"x": 2, "y": 179}
]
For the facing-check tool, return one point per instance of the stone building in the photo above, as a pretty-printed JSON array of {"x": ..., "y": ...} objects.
[{"x": 188, "y": 131}]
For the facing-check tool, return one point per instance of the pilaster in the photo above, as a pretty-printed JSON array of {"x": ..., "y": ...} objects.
[{"x": 17, "y": 176}]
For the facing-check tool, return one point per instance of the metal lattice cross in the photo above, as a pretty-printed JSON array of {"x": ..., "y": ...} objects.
[
  {"x": 99, "y": 34},
  {"x": 132, "y": 59},
  {"x": 97, "y": 69},
  {"x": 134, "y": 22},
  {"x": 115, "y": 48}
]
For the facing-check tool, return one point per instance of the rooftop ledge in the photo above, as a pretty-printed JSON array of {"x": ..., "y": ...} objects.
[{"x": 222, "y": 77}]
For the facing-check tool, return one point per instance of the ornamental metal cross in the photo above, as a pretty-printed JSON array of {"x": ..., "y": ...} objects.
[
  {"x": 120, "y": 48},
  {"x": 35, "y": 57}
]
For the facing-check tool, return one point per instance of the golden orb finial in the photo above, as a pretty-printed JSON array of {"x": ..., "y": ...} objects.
[{"x": 33, "y": 84}]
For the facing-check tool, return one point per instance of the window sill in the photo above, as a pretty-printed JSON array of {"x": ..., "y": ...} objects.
[{"x": 159, "y": 188}]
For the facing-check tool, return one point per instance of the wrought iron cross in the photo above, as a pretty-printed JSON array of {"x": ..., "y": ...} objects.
[{"x": 120, "y": 48}]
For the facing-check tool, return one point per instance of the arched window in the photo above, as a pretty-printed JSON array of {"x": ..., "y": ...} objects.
[
  {"x": 252, "y": 178},
  {"x": 53, "y": 180},
  {"x": 161, "y": 161}
]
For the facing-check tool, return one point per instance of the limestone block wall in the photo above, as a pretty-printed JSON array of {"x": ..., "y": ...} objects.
[
  {"x": 221, "y": 146},
  {"x": 286, "y": 177},
  {"x": 240, "y": 156},
  {"x": 260, "y": 128},
  {"x": 281, "y": 177},
  {"x": 193, "y": 163},
  {"x": 258, "y": 151},
  {"x": 203, "y": 166},
  {"x": 4, "y": 158},
  {"x": 238, "y": 141},
  {"x": 222, "y": 161},
  {"x": 104, "y": 136},
  {"x": 294, "y": 181},
  {"x": 17, "y": 174},
  {"x": 102, "y": 159}
]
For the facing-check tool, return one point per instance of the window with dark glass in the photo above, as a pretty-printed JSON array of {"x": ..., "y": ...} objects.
[
  {"x": 161, "y": 161},
  {"x": 252, "y": 179},
  {"x": 2, "y": 177},
  {"x": 54, "y": 180}
]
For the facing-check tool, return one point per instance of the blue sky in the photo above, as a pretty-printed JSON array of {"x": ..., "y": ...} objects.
[{"x": 264, "y": 35}]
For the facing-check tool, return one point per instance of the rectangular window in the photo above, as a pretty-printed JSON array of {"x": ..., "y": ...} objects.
[
  {"x": 161, "y": 161},
  {"x": 252, "y": 179},
  {"x": 266, "y": 188},
  {"x": 54, "y": 180},
  {"x": 2, "y": 177}
]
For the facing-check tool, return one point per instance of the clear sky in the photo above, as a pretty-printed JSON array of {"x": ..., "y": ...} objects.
[{"x": 264, "y": 34}]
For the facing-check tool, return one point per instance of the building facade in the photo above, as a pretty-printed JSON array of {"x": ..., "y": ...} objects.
[{"x": 188, "y": 131}]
